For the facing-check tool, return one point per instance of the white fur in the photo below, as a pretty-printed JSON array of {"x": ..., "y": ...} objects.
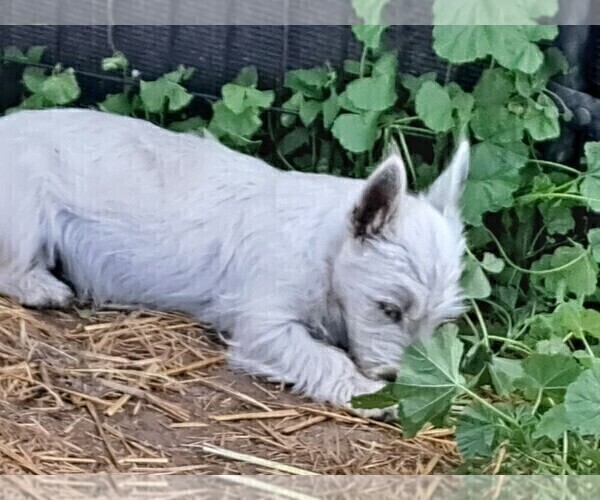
[{"x": 140, "y": 215}]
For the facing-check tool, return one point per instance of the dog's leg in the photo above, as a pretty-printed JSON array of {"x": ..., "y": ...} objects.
[
  {"x": 24, "y": 262},
  {"x": 34, "y": 288},
  {"x": 287, "y": 353}
]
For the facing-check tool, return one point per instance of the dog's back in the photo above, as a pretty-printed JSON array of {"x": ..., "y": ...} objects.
[{"x": 137, "y": 214}]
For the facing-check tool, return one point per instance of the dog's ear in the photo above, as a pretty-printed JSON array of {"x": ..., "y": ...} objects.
[
  {"x": 445, "y": 193},
  {"x": 381, "y": 196}
]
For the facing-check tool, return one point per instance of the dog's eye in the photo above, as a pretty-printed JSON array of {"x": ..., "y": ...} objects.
[{"x": 392, "y": 312}]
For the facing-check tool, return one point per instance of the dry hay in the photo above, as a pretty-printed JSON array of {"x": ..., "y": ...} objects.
[{"x": 144, "y": 392}]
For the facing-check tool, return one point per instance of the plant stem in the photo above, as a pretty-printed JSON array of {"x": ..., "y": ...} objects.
[
  {"x": 407, "y": 119},
  {"x": 490, "y": 407},
  {"x": 407, "y": 157},
  {"x": 515, "y": 343},
  {"x": 559, "y": 99},
  {"x": 587, "y": 346},
  {"x": 506, "y": 315},
  {"x": 484, "y": 329},
  {"x": 529, "y": 271},
  {"x": 422, "y": 130},
  {"x": 532, "y": 197},
  {"x": 565, "y": 451},
  {"x": 363, "y": 61},
  {"x": 538, "y": 401},
  {"x": 556, "y": 165},
  {"x": 472, "y": 325}
]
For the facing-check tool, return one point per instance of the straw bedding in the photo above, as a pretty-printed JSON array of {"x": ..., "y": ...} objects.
[{"x": 131, "y": 391}]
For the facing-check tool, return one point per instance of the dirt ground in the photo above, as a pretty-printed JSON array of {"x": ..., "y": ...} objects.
[{"x": 143, "y": 392}]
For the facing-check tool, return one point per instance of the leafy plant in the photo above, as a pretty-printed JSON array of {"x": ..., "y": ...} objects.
[{"x": 518, "y": 375}]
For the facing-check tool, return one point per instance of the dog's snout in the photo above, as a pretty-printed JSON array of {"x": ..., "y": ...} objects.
[{"x": 388, "y": 374}]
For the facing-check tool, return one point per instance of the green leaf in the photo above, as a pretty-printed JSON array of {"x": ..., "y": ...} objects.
[
  {"x": 553, "y": 345},
  {"x": 35, "y": 101},
  {"x": 577, "y": 272},
  {"x": 181, "y": 74},
  {"x": 357, "y": 133},
  {"x": 236, "y": 127},
  {"x": 369, "y": 10},
  {"x": 554, "y": 63},
  {"x": 369, "y": 34},
  {"x": 497, "y": 124},
  {"x": 553, "y": 424},
  {"x": 247, "y": 77},
  {"x": 542, "y": 119},
  {"x": 491, "y": 12},
  {"x": 590, "y": 186},
  {"x": 512, "y": 46},
  {"x": 578, "y": 320},
  {"x": 164, "y": 93},
  {"x": 309, "y": 82},
  {"x": 414, "y": 83},
  {"x": 352, "y": 67},
  {"x": 495, "y": 87},
  {"x": 119, "y": 104},
  {"x": 15, "y": 54},
  {"x": 384, "y": 398},
  {"x": 34, "y": 78},
  {"x": 387, "y": 65},
  {"x": 238, "y": 98},
  {"x": 292, "y": 104},
  {"x": 476, "y": 431},
  {"x": 309, "y": 110},
  {"x": 474, "y": 282},
  {"x": 331, "y": 108},
  {"x": 117, "y": 62},
  {"x": 293, "y": 141},
  {"x": 434, "y": 107},
  {"x": 504, "y": 373},
  {"x": 594, "y": 239},
  {"x": 376, "y": 93},
  {"x": 582, "y": 402},
  {"x": 549, "y": 373},
  {"x": 492, "y": 264},
  {"x": 429, "y": 378},
  {"x": 35, "y": 53},
  {"x": 493, "y": 177},
  {"x": 557, "y": 216},
  {"x": 195, "y": 125},
  {"x": 61, "y": 88},
  {"x": 462, "y": 103}
]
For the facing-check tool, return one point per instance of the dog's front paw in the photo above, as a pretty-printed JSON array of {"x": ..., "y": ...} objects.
[
  {"x": 389, "y": 414},
  {"x": 364, "y": 386}
]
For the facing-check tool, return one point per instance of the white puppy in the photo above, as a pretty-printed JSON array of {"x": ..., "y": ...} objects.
[{"x": 320, "y": 281}]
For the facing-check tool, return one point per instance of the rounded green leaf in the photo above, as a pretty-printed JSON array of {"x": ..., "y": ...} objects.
[
  {"x": 34, "y": 78},
  {"x": 582, "y": 402},
  {"x": 493, "y": 177},
  {"x": 238, "y": 98},
  {"x": 61, "y": 88},
  {"x": 369, "y": 34},
  {"x": 434, "y": 107},
  {"x": 119, "y": 104},
  {"x": 372, "y": 94},
  {"x": 357, "y": 133},
  {"x": 553, "y": 424},
  {"x": 164, "y": 92}
]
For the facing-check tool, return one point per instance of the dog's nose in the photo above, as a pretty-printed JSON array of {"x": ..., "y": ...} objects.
[{"x": 388, "y": 375}]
